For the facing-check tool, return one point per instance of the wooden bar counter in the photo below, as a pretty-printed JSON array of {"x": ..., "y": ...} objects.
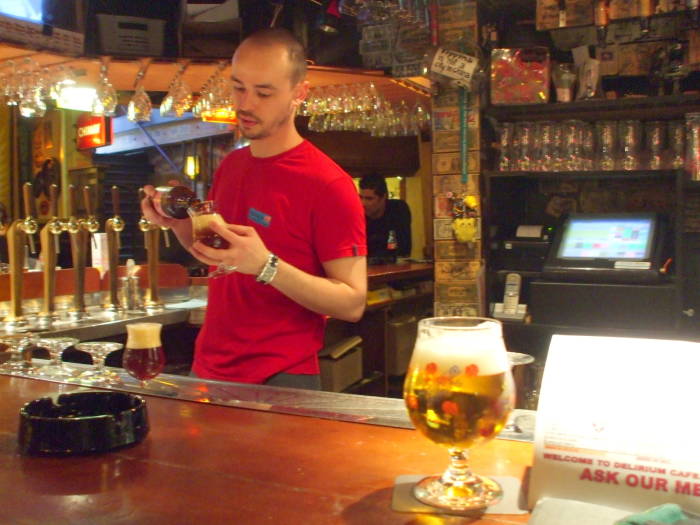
[{"x": 209, "y": 464}]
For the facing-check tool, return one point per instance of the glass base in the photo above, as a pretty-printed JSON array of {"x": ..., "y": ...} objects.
[
  {"x": 99, "y": 377},
  {"x": 17, "y": 367},
  {"x": 56, "y": 371},
  {"x": 476, "y": 492}
]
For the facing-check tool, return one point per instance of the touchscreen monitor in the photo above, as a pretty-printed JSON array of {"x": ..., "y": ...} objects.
[{"x": 606, "y": 248}]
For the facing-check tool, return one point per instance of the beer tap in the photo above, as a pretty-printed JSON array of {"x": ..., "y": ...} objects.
[
  {"x": 90, "y": 223},
  {"x": 151, "y": 235},
  {"x": 18, "y": 232},
  {"x": 50, "y": 247},
  {"x": 113, "y": 226},
  {"x": 78, "y": 245}
]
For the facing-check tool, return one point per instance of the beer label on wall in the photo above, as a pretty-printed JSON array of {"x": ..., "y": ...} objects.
[
  {"x": 447, "y": 118},
  {"x": 456, "y": 292},
  {"x": 453, "y": 184},
  {"x": 457, "y": 270},
  {"x": 443, "y": 206},
  {"x": 456, "y": 310},
  {"x": 445, "y": 163},
  {"x": 442, "y": 229},
  {"x": 447, "y": 97},
  {"x": 456, "y": 11},
  {"x": 455, "y": 251}
]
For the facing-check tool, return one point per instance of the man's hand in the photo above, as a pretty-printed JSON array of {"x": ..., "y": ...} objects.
[
  {"x": 246, "y": 250},
  {"x": 151, "y": 213}
]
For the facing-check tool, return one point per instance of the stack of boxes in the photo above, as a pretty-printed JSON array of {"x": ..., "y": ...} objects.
[{"x": 457, "y": 264}]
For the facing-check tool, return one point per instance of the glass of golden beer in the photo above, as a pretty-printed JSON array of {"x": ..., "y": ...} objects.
[{"x": 459, "y": 392}]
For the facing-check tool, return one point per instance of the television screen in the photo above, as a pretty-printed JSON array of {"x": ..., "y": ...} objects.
[
  {"x": 607, "y": 238},
  {"x": 25, "y": 9},
  {"x": 624, "y": 248}
]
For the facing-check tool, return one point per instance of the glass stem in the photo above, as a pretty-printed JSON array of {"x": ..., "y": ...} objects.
[
  {"x": 458, "y": 473},
  {"x": 55, "y": 358},
  {"x": 99, "y": 362}
]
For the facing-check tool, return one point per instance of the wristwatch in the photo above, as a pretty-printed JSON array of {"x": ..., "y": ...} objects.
[{"x": 268, "y": 271}]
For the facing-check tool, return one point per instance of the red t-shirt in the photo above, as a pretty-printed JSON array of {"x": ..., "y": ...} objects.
[{"x": 306, "y": 210}]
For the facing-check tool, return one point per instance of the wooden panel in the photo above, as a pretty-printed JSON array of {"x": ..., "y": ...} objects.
[
  {"x": 169, "y": 276},
  {"x": 34, "y": 282},
  {"x": 210, "y": 464},
  {"x": 359, "y": 153}
]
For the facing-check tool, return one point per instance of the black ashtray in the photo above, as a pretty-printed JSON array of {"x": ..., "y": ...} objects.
[{"x": 81, "y": 423}]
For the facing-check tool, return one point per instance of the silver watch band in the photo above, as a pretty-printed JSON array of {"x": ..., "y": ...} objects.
[{"x": 268, "y": 271}]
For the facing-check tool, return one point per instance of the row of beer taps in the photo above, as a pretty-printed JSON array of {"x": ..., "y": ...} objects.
[{"x": 21, "y": 237}]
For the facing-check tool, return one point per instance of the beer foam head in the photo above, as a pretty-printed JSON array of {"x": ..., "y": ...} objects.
[
  {"x": 143, "y": 335},
  {"x": 202, "y": 221},
  {"x": 483, "y": 348}
]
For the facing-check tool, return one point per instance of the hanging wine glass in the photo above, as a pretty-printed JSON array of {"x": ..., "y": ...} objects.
[
  {"x": 139, "y": 108},
  {"x": 105, "y": 102}
]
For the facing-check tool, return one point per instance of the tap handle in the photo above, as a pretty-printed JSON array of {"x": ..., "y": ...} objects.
[
  {"x": 115, "y": 200},
  {"x": 53, "y": 200},
  {"x": 87, "y": 200},
  {"x": 28, "y": 199},
  {"x": 73, "y": 194}
]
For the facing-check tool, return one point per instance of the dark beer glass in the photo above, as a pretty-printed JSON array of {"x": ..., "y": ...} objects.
[
  {"x": 143, "y": 356},
  {"x": 203, "y": 214}
]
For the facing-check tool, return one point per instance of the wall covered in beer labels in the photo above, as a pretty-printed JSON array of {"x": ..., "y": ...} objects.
[{"x": 458, "y": 265}]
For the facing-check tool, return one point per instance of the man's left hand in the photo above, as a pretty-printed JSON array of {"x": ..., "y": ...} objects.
[{"x": 246, "y": 250}]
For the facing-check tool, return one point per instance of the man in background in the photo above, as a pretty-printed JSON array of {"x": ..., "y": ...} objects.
[{"x": 388, "y": 222}]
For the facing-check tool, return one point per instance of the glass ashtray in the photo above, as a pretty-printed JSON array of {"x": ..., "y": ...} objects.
[{"x": 82, "y": 423}]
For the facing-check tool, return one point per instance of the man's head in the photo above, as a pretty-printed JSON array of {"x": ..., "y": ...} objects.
[
  {"x": 373, "y": 194},
  {"x": 268, "y": 71}
]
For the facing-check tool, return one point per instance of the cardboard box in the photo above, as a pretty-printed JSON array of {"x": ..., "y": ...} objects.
[
  {"x": 547, "y": 14},
  {"x": 341, "y": 364},
  {"x": 401, "y": 337},
  {"x": 130, "y": 35}
]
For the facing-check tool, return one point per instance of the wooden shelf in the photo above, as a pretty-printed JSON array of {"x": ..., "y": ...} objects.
[
  {"x": 593, "y": 174},
  {"x": 408, "y": 298},
  {"x": 646, "y": 108}
]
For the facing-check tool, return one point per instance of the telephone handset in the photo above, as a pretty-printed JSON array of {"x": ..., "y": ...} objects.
[{"x": 511, "y": 295}]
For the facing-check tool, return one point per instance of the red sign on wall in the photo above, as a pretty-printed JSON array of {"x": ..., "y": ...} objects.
[{"x": 92, "y": 131}]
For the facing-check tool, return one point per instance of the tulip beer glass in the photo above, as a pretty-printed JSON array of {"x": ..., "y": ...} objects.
[
  {"x": 459, "y": 392},
  {"x": 203, "y": 214},
  {"x": 143, "y": 354}
]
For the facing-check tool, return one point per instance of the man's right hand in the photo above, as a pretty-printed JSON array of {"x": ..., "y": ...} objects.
[{"x": 151, "y": 213}]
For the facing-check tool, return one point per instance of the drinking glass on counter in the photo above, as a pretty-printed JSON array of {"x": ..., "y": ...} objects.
[
  {"x": 143, "y": 357},
  {"x": 203, "y": 214},
  {"x": 55, "y": 368},
  {"x": 99, "y": 375},
  {"x": 459, "y": 393},
  {"x": 16, "y": 345}
]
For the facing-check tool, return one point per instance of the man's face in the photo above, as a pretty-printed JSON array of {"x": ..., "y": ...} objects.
[
  {"x": 264, "y": 97},
  {"x": 373, "y": 203}
]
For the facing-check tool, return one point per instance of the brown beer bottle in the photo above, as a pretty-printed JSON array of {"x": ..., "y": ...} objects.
[{"x": 174, "y": 201}]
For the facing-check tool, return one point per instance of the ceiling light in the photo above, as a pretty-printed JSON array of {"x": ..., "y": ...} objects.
[{"x": 80, "y": 98}]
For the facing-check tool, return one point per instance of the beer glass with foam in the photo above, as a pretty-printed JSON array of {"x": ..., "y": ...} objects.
[
  {"x": 459, "y": 392},
  {"x": 203, "y": 214},
  {"x": 143, "y": 356}
]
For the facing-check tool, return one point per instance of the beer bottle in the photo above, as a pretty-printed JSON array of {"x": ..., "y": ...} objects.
[
  {"x": 391, "y": 242},
  {"x": 174, "y": 201}
]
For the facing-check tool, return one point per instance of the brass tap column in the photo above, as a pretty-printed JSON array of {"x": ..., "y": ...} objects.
[
  {"x": 113, "y": 226},
  {"x": 18, "y": 234},
  {"x": 50, "y": 246},
  {"x": 151, "y": 236},
  {"x": 78, "y": 246}
]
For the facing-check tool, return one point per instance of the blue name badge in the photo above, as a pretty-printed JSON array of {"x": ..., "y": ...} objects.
[{"x": 258, "y": 217}]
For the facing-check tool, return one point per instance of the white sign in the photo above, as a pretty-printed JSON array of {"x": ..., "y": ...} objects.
[
  {"x": 617, "y": 423},
  {"x": 457, "y": 66}
]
